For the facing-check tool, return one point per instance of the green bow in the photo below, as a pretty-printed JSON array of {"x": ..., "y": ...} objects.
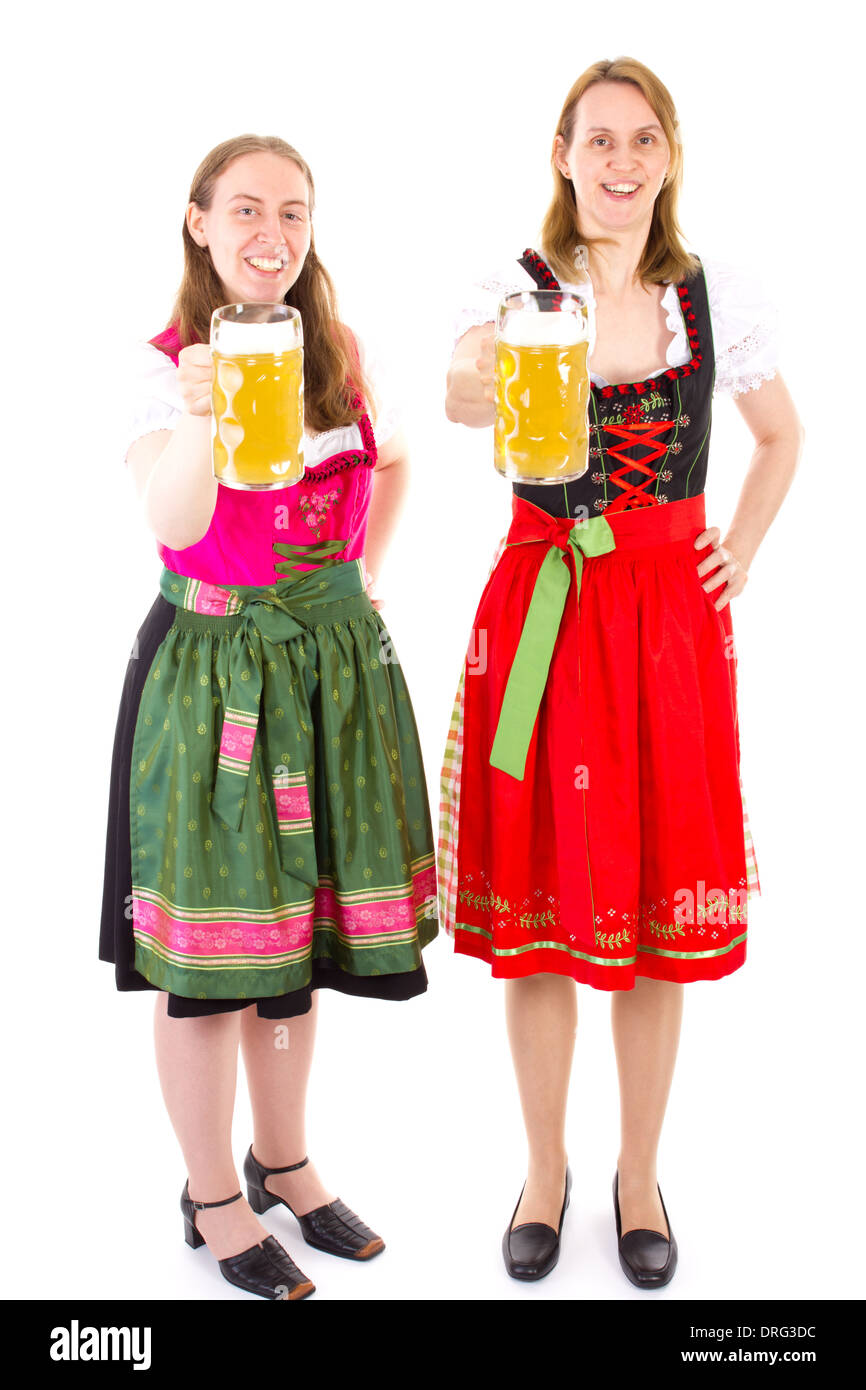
[
  {"x": 267, "y": 624},
  {"x": 528, "y": 675},
  {"x": 272, "y": 616}
]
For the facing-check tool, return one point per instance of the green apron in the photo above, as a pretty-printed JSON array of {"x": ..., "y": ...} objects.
[{"x": 278, "y": 804}]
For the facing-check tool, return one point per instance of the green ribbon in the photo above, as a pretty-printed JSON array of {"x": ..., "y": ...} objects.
[
  {"x": 271, "y": 617},
  {"x": 528, "y": 675},
  {"x": 323, "y": 554},
  {"x": 267, "y": 623}
]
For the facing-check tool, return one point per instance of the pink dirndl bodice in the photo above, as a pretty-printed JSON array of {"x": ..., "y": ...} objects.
[{"x": 330, "y": 502}]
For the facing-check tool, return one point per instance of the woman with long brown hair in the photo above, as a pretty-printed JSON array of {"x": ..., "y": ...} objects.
[
  {"x": 325, "y": 876},
  {"x": 600, "y": 732}
]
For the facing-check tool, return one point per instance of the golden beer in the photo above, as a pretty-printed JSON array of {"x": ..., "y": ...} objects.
[
  {"x": 258, "y": 396},
  {"x": 541, "y": 431}
]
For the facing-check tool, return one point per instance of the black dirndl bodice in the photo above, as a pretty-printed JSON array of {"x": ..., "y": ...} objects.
[{"x": 648, "y": 440}]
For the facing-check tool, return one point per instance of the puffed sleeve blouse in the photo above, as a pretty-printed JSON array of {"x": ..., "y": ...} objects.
[{"x": 745, "y": 322}]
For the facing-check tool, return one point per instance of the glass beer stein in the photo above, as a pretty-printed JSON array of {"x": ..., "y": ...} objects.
[
  {"x": 258, "y": 395},
  {"x": 541, "y": 433}
]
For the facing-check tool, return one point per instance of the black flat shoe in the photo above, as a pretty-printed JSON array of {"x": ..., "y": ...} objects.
[
  {"x": 332, "y": 1227},
  {"x": 264, "y": 1269},
  {"x": 531, "y": 1249},
  {"x": 648, "y": 1259}
]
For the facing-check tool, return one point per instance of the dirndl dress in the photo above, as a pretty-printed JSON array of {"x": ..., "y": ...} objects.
[
  {"x": 269, "y": 831},
  {"x": 596, "y": 714}
]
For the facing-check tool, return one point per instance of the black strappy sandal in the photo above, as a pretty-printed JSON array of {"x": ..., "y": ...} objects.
[
  {"x": 333, "y": 1227},
  {"x": 264, "y": 1269}
]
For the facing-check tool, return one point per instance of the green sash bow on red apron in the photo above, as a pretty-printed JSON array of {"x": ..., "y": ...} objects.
[
  {"x": 528, "y": 675},
  {"x": 272, "y": 615}
]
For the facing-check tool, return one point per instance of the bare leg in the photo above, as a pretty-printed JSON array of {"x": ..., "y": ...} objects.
[
  {"x": 277, "y": 1057},
  {"x": 646, "y": 1031},
  {"x": 541, "y": 1013},
  {"x": 197, "y": 1060}
]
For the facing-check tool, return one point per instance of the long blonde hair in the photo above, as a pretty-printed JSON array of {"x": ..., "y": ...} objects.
[
  {"x": 664, "y": 256},
  {"x": 331, "y": 364}
]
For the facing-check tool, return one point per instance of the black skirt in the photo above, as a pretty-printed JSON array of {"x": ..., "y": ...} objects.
[{"x": 116, "y": 942}]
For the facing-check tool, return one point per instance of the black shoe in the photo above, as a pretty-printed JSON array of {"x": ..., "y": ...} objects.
[
  {"x": 264, "y": 1269},
  {"x": 531, "y": 1249},
  {"x": 332, "y": 1227},
  {"x": 647, "y": 1257}
]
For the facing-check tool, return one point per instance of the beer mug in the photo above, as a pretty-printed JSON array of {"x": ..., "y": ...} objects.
[
  {"x": 541, "y": 433},
  {"x": 258, "y": 395}
]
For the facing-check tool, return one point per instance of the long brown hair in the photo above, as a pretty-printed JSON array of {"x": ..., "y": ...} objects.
[
  {"x": 330, "y": 357},
  {"x": 664, "y": 256}
]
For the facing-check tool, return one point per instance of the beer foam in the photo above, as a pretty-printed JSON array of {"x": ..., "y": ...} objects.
[
  {"x": 528, "y": 328},
  {"x": 238, "y": 339}
]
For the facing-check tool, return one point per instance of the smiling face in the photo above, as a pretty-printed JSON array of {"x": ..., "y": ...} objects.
[
  {"x": 257, "y": 228},
  {"x": 617, "y": 157}
]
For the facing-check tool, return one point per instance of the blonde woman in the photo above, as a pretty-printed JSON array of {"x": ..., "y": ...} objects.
[{"x": 600, "y": 736}]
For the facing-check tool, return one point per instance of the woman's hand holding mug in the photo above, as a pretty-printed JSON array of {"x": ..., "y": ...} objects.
[{"x": 195, "y": 378}]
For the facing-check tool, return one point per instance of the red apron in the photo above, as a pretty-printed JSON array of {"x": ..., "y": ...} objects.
[{"x": 592, "y": 822}]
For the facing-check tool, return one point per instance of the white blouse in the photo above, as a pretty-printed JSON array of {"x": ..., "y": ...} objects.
[
  {"x": 154, "y": 403},
  {"x": 745, "y": 322}
]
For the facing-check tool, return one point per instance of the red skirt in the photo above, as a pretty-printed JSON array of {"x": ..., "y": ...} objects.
[{"x": 623, "y": 849}]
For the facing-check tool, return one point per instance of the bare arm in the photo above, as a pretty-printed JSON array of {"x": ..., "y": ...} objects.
[
  {"x": 772, "y": 418},
  {"x": 469, "y": 393},
  {"x": 172, "y": 469},
  {"x": 390, "y": 481}
]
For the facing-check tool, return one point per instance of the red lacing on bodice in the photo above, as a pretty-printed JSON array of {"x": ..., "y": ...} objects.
[{"x": 646, "y": 433}]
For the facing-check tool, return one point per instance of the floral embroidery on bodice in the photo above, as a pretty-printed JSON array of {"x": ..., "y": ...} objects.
[{"x": 316, "y": 505}]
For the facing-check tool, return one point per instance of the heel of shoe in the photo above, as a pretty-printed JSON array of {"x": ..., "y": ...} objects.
[
  {"x": 260, "y": 1199},
  {"x": 192, "y": 1234},
  {"x": 256, "y": 1174}
]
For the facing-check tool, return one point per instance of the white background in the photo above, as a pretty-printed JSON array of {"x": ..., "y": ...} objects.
[{"x": 428, "y": 131}]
